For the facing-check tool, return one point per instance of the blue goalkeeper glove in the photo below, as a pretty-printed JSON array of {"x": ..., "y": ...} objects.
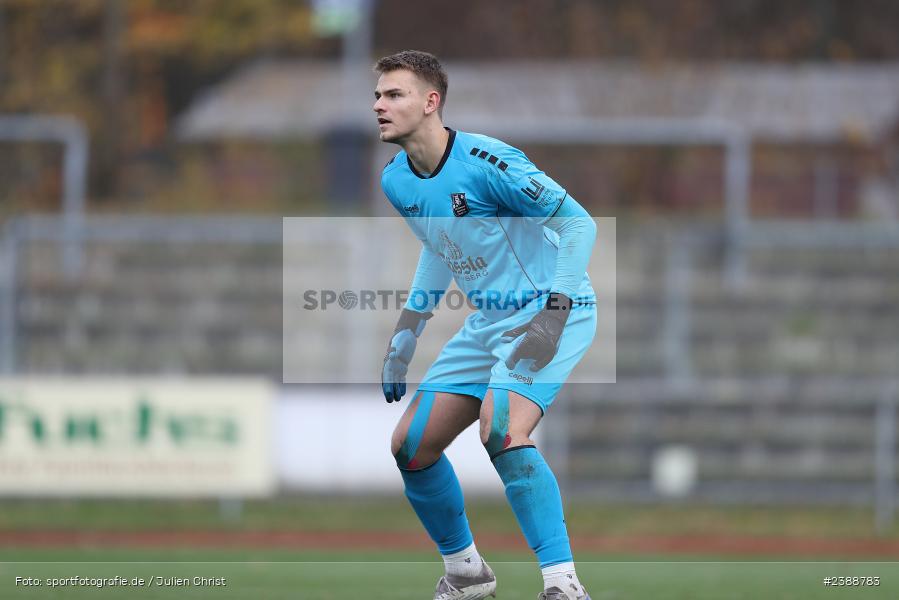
[
  {"x": 541, "y": 335},
  {"x": 399, "y": 353}
]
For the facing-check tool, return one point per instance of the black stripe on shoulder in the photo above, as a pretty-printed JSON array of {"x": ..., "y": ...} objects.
[
  {"x": 390, "y": 161},
  {"x": 490, "y": 158}
]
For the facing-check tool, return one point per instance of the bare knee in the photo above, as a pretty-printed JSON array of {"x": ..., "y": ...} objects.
[
  {"x": 486, "y": 416},
  {"x": 426, "y": 455},
  {"x": 416, "y": 444},
  {"x": 485, "y": 428},
  {"x": 485, "y": 431},
  {"x": 426, "y": 451},
  {"x": 397, "y": 440},
  {"x": 511, "y": 426}
]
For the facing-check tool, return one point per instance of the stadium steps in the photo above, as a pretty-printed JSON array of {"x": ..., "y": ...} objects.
[
  {"x": 801, "y": 311},
  {"x": 150, "y": 309},
  {"x": 765, "y": 430}
]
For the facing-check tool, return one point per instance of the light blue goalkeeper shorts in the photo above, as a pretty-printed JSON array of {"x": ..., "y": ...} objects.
[{"x": 474, "y": 359}]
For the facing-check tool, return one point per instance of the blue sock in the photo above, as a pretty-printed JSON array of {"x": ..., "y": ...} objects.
[
  {"x": 534, "y": 494},
  {"x": 436, "y": 496}
]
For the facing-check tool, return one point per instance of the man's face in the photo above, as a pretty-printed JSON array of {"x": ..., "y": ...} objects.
[{"x": 401, "y": 104}]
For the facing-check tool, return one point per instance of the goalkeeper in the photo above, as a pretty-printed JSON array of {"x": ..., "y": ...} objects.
[{"x": 518, "y": 245}]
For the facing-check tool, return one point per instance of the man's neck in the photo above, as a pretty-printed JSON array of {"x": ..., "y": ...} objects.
[{"x": 426, "y": 148}]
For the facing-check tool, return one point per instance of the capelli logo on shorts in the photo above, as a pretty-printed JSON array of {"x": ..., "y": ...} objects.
[{"x": 521, "y": 378}]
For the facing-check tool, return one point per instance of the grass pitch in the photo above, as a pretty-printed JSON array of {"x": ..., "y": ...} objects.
[
  {"x": 402, "y": 576},
  {"x": 354, "y": 572}
]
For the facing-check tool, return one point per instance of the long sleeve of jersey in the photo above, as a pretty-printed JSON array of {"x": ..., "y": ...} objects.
[
  {"x": 577, "y": 233},
  {"x": 431, "y": 279}
]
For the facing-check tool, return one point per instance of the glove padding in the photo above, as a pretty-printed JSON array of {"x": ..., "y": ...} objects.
[
  {"x": 399, "y": 353},
  {"x": 541, "y": 335}
]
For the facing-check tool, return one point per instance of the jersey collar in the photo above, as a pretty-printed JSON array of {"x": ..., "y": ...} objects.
[{"x": 446, "y": 153}]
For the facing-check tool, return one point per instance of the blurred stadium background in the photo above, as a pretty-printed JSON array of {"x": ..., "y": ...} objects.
[{"x": 149, "y": 150}]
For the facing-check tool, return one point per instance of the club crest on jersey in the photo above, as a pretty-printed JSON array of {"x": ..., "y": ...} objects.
[
  {"x": 412, "y": 209},
  {"x": 460, "y": 206}
]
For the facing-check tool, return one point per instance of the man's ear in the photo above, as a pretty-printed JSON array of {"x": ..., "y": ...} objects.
[{"x": 433, "y": 103}]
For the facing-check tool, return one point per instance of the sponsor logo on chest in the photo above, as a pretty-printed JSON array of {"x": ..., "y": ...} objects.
[{"x": 467, "y": 267}]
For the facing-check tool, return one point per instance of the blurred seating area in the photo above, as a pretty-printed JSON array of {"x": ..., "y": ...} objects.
[{"x": 216, "y": 308}]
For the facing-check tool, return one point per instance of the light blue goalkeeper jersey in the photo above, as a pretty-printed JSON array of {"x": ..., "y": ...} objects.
[{"x": 482, "y": 211}]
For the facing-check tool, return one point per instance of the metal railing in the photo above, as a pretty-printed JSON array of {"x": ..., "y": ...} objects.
[{"x": 72, "y": 134}]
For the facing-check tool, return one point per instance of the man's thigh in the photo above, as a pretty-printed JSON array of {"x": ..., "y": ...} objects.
[
  {"x": 447, "y": 400},
  {"x": 430, "y": 423}
]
